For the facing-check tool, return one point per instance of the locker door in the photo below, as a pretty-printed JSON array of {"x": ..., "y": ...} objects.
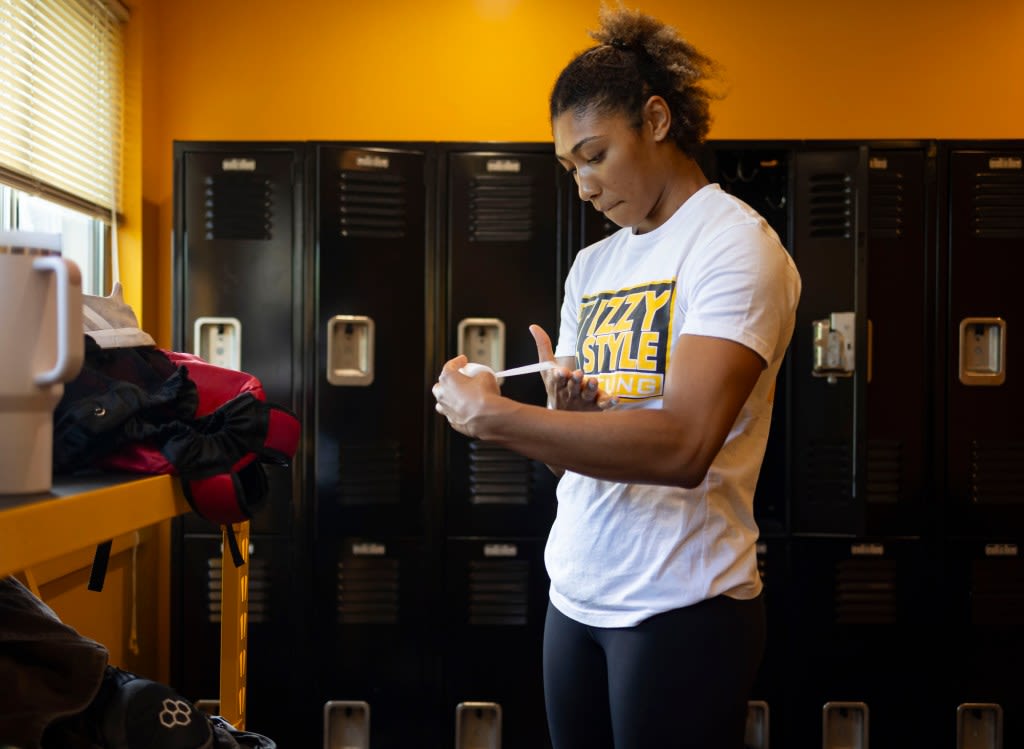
[
  {"x": 985, "y": 452},
  {"x": 828, "y": 353},
  {"x": 376, "y": 572},
  {"x": 858, "y": 624},
  {"x": 381, "y": 644},
  {"x": 238, "y": 266},
  {"x": 503, "y": 250},
  {"x": 496, "y": 604},
  {"x": 269, "y": 667},
  {"x": 373, "y": 325},
  {"x": 984, "y": 591},
  {"x": 901, "y": 308}
]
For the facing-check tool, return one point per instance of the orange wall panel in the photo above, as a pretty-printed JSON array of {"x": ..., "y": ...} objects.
[{"x": 482, "y": 69}]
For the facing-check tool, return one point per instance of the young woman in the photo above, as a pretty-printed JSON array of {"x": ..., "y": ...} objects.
[{"x": 672, "y": 333}]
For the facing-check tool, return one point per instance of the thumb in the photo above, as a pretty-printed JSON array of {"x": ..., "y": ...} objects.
[{"x": 543, "y": 341}]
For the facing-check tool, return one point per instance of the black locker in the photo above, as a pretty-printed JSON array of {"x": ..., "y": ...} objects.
[
  {"x": 374, "y": 317},
  {"x": 238, "y": 258},
  {"x": 382, "y": 646},
  {"x": 984, "y": 452},
  {"x": 269, "y": 667},
  {"x": 983, "y": 599},
  {"x": 859, "y": 619},
  {"x": 828, "y": 370},
  {"x": 503, "y": 259},
  {"x": 239, "y": 275},
  {"x": 898, "y": 493},
  {"x": 375, "y": 518},
  {"x": 495, "y": 607}
]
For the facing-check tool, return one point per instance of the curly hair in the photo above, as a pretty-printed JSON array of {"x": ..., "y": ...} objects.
[{"x": 638, "y": 57}]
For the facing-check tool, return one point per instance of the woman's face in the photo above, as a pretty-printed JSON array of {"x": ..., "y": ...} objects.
[{"x": 615, "y": 166}]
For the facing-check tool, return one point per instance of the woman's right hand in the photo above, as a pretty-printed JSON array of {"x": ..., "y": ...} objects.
[{"x": 568, "y": 389}]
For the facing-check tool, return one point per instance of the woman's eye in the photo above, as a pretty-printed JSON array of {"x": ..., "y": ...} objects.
[{"x": 596, "y": 159}]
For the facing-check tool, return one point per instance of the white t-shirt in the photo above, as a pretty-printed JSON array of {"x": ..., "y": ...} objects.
[{"x": 620, "y": 553}]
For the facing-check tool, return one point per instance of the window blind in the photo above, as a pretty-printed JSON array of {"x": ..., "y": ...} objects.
[{"x": 60, "y": 100}]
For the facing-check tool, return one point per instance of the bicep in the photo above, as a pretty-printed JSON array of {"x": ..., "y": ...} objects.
[{"x": 709, "y": 379}]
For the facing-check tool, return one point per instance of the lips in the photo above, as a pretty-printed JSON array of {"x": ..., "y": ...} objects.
[{"x": 605, "y": 210}]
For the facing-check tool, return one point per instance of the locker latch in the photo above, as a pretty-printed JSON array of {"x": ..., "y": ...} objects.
[
  {"x": 982, "y": 351},
  {"x": 218, "y": 340},
  {"x": 350, "y": 357},
  {"x": 834, "y": 346},
  {"x": 482, "y": 340}
]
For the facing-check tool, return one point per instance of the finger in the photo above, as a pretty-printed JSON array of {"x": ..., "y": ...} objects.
[
  {"x": 589, "y": 391},
  {"x": 544, "y": 350},
  {"x": 452, "y": 366},
  {"x": 575, "y": 383}
]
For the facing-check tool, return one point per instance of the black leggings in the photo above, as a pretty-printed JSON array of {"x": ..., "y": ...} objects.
[{"x": 677, "y": 680}]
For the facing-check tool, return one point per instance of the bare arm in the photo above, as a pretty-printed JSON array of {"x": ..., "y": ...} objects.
[{"x": 708, "y": 381}]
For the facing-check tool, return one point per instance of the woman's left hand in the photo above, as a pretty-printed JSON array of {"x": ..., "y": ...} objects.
[{"x": 459, "y": 397}]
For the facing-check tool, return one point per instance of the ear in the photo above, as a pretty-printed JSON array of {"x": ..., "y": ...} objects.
[{"x": 657, "y": 117}]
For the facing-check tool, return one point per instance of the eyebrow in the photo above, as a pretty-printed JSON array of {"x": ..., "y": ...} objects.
[{"x": 578, "y": 146}]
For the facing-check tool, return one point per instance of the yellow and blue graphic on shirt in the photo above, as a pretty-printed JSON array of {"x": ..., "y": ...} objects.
[{"x": 624, "y": 338}]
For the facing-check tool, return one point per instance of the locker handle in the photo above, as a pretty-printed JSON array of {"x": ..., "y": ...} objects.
[
  {"x": 482, "y": 340},
  {"x": 218, "y": 340},
  {"x": 982, "y": 351},
  {"x": 350, "y": 354},
  {"x": 834, "y": 343}
]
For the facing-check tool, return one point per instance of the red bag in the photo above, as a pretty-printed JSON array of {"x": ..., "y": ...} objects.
[{"x": 147, "y": 410}]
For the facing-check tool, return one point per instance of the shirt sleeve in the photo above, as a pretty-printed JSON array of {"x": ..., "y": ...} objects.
[{"x": 742, "y": 286}]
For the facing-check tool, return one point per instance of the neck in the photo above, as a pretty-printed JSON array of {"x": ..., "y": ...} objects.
[{"x": 683, "y": 178}]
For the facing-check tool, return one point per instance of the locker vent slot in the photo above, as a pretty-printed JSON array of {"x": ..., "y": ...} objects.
[
  {"x": 885, "y": 212},
  {"x": 998, "y": 205},
  {"x": 369, "y": 474},
  {"x": 997, "y": 472},
  {"x": 997, "y": 592},
  {"x": 830, "y": 206},
  {"x": 497, "y": 476},
  {"x": 829, "y": 472},
  {"x": 498, "y": 592},
  {"x": 884, "y": 471},
  {"x": 501, "y": 209},
  {"x": 259, "y": 590},
  {"x": 239, "y": 205},
  {"x": 371, "y": 205},
  {"x": 368, "y": 591},
  {"x": 865, "y": 591}
]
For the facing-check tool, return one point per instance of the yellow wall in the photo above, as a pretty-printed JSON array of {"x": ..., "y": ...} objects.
[{"x": 481, "y": 70}]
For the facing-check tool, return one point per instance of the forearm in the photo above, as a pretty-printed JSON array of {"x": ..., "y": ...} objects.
[{"x": 636, "y": 445}]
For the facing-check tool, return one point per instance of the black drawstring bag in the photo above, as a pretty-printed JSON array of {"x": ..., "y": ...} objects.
[{"x": 146, "y": 410}]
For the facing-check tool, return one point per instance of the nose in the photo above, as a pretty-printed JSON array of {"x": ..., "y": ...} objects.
[{"x": 587, "y": 187}]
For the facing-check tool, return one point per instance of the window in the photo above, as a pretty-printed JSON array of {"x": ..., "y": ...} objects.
[
  {"x": 60, "y": 123},
  {"x": 83, "y": 237}
]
